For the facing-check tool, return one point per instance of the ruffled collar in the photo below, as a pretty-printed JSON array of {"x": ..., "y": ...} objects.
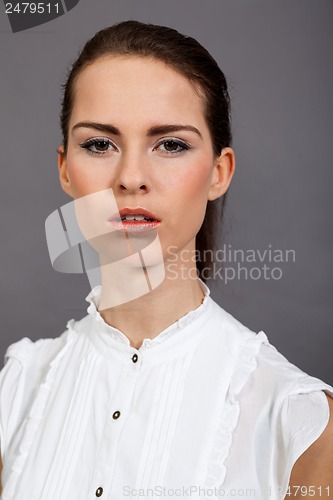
[{"x": 116, "y": 334}]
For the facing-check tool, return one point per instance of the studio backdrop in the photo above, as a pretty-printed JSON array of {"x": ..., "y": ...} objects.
[{"x": 273, "y": 270}]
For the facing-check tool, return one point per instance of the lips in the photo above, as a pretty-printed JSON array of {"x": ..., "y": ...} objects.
[
  {"x": 134, "y": 220},
  {"x": 132, "y": 212}
]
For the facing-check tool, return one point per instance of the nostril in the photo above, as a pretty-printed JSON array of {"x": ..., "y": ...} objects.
[{"x": 131, "y": 188}]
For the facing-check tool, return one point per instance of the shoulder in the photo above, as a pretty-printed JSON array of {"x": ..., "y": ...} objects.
[
  {"x": 43, "y": 351},
  {"x": 228, "y": 334},
  {"x": 25, "y": 359},
  {"x": 263, "y": 373},
  {"x": 260, "y": 370},
  {"x": 27, "y": 362},
  {"x": 276, "y": 393},
  {"x": 27, "y": 351},
  {"x": 278, "y": 377},
  {"x": 27, "y": 355}
]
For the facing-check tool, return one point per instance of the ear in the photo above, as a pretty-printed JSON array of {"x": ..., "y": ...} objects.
[
  {"x": 222, "y": 173},
  {"x": 63, "y": 171}
]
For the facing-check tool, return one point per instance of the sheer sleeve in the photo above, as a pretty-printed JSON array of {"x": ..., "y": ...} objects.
[{"x": 302, "y": 420}]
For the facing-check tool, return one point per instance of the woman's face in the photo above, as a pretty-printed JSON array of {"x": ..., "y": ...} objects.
[{"x": 137, "y": 128}]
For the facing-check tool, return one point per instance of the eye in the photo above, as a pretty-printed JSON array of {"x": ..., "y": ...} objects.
[
  {"x": 98, "y": 145},
  {"x": 172, "y": 146}
]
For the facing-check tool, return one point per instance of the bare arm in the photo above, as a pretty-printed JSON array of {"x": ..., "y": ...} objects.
[{"x": 315, "y": 467}]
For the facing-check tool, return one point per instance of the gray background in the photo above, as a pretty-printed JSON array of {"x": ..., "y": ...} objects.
[{"x": 277, "y": 56}]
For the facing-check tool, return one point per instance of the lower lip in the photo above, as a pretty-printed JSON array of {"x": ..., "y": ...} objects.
[{"x": 134, "y": 226}]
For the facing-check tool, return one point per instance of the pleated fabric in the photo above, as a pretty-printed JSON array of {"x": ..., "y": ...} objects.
[{"x": 205, "y": 409}]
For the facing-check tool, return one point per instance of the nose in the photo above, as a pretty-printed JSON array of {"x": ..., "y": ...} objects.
[{"x": 133, "y": 176}]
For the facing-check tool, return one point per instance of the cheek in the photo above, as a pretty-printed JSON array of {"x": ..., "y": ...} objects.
[
  {"x": 192, "y": 187},
  {"x": 84, "y": 180},
  {"x": 189, "y": 198}
]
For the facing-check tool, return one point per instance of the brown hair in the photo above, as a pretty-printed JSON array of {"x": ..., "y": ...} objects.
[{"x": 185, "y": 55}]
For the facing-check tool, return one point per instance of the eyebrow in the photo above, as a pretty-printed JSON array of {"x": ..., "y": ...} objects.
[{"x": 152, "y": 131}]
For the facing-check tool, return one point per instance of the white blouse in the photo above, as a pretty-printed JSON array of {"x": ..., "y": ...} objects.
[{"x": 206, "y": 409}]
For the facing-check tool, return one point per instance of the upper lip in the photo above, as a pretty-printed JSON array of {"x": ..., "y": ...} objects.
[{"x": 134, "y": 211}]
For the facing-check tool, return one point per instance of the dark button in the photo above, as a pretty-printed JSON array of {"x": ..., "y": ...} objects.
[
  {"x": 134, "y": 358},
  {"x": 115, "y": 416},
  {"x": 99, "y": 492}
]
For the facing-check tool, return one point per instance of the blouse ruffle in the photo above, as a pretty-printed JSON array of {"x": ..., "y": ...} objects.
[
  {"x": 230, "y": 410},
  {"x": 111, "y": 332}
]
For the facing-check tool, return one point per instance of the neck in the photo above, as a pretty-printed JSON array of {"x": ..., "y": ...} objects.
[{"x": 130, "y": 303}]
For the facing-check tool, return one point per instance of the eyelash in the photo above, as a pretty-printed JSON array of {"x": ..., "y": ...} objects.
[
  {"x": 92, "y": 142},
  {"x": 178, "y": 142}
]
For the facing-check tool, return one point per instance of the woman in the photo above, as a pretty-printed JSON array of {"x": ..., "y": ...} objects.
[{"x": 158, "y": 391}]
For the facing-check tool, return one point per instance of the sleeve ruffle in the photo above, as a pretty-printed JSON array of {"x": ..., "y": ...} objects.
[{"x": 302, "y": 419}]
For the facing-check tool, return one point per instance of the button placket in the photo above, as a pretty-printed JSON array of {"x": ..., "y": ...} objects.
[{"x": 107, "y": 456}]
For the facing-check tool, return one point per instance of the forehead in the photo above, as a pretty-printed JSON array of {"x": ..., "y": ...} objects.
[{"x": 135, "y": 88}]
